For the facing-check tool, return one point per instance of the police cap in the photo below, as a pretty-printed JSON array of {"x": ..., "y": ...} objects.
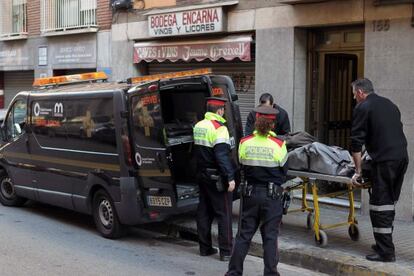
[
  {"x": 266, "y": 112},
  {"x": 216, "y": 101}
]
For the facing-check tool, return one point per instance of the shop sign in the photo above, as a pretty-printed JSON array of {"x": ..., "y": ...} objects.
[
  {"x": 77, "y": 54},
  {"x": 208, "y": 20},
  {"x": 14, "y": 56},
  {"x": 199, "y": 52},
  {"x": 82, "y": 52}
]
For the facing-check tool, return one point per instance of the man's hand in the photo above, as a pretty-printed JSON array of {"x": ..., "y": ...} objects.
[
  {"x": 356, "y": 179},
  {"x": 232, "y": 185}
]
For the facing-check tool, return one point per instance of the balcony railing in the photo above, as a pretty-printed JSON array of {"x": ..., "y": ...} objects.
[
  {"x": 13, "y": 19},
  {"x": 68, "y": 16}
]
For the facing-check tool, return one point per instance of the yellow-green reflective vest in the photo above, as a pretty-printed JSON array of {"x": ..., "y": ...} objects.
[
  {"x": 211, "y": 131},
  {"x": 263, "y": 151}
]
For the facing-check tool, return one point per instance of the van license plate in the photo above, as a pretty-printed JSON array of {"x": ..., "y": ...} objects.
[{"x": 162, "y": 201}]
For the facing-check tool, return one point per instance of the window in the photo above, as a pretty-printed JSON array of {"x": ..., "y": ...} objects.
[
  {"x": 90, "y": 125},
  {"x": 68, "y": 15},
  {"x": 46, "y": 120},
  {"x": 16, "y": 120},
  {"x": 78, "y": 124},
  {"x": 147, "y": 120},
  {"x": 13, "y": 19}
]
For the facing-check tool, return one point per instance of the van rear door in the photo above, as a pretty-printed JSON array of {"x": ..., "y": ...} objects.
[
  {"x": 222, "y": 86},
  {"x": 149, "y": 148}
]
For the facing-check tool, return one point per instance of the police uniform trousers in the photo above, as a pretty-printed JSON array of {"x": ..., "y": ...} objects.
[
  {"x": 387, "y": 178},
  {"x": 214, "y": 204},
  {"x": 259, "y": 209}
]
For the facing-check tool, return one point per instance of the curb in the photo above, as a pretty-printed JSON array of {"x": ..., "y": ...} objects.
[{"x": 314, "y": 258}]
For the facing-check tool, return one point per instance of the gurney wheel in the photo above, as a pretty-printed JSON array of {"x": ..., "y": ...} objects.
[
  {"x": 310, "y": 219},
  {"x": 353, "y": 232},
  {"x": 323, "y": 239}
]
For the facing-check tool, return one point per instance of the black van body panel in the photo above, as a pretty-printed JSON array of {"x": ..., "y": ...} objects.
[
  {"x": 129, "y": 208},
  {"x": 62, "y": 158}
]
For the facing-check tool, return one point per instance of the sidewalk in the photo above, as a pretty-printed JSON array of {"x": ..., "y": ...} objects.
[{"x": 341, "y": 256}]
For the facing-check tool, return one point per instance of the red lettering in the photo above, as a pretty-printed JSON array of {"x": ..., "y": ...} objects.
[
  {"x": 215, "y": 17},
  {"x": 163, "y": 21},
  {"x": 149, "y": 100},
  {"x": 200, "y": 17},
  {"x": 204, "y": 16}
]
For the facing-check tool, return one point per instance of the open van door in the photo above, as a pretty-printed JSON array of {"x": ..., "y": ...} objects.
[
  {"x": 150, "y": 152},
  {"x": 222, "y": 86}
]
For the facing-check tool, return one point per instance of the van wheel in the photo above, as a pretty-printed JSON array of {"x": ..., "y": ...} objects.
[
  {"x": 8, "y": 195},
  {"x": 105, "y": 217}
]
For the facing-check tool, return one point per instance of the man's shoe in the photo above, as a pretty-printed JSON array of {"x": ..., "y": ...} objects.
[
  {"x": 224, "y": 258},
  {"x": 379, "y": 258},
  {"x": 375, "y": 248},
  {"x": 209, "y": 252}
]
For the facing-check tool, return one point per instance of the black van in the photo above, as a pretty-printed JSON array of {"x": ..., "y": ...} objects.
[{"x": 119, "y": 152}]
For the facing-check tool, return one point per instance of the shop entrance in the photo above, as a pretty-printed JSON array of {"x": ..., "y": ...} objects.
[{"x": 336, "y": 59}]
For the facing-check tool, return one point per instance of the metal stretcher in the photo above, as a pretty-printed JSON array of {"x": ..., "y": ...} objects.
[{"x": 313, "y": 218}]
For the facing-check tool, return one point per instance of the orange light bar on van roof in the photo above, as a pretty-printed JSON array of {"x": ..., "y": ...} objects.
[
  {"x": 70, "y": 79},
  {"x": 172, "y": 75}
]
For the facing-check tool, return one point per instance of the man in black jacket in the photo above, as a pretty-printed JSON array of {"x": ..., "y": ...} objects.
[
  {"x": 377, "y": 124},
  {"x": 282, "y": 124}
]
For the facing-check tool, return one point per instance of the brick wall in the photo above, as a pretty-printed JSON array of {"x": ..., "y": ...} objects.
[
  {"x": 104, "y": 14},
  {"x": 33, "y": 17}
]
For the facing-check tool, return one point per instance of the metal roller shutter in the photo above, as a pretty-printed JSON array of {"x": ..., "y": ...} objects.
[
  {"x": 16, "y": 81},
  {"x": 242, "y": 73}
]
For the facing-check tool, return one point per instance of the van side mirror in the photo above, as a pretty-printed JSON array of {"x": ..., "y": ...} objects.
[{"x": 234, "y": 97}]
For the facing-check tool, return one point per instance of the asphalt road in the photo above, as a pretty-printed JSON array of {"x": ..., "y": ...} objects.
[{"x": 42, "y": 240}]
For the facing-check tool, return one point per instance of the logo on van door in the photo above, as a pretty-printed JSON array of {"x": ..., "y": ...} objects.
[
  {"x": 138, "y": 159},
  {"x": 58, "y": 110},
  {"x": 36, "y": 109}
]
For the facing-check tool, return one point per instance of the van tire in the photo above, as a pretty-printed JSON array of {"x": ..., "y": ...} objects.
[
  {"x": 105, "y": 216},
  {"x": 8, "y": 195}
]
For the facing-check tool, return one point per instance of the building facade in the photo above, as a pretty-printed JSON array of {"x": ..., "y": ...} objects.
[
  {"x": 51, "y": 37},
  {"x": 304, "y": 52}
]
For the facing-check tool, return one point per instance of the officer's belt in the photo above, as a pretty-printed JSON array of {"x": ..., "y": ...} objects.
[
  {"x": 261, "y": 184},
  {"x": 277, "y": 189}
]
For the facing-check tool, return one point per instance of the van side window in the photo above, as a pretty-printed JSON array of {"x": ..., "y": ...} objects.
[
  {"x": 46, "y": 121},
  {"x": 16, "y": 119},
  {"x": 90, "y": 124},
  {"x": 75, "y": 124}
]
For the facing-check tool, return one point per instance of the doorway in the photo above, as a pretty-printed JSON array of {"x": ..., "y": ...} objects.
[
  {"x": 340, "y": 71},
  {"x": 336, "y": 58}
]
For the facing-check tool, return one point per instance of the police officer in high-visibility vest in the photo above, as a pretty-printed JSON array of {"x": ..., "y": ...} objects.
[
  {"x": 263, "y": 157},
  {"x": 215, "y": 175}
]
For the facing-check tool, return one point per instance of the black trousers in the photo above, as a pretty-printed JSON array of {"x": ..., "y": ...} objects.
[
  {"x": 266, "y": 212},
  {"x": 387, "y": 179},
  {"x": 214, "y": 204}
]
